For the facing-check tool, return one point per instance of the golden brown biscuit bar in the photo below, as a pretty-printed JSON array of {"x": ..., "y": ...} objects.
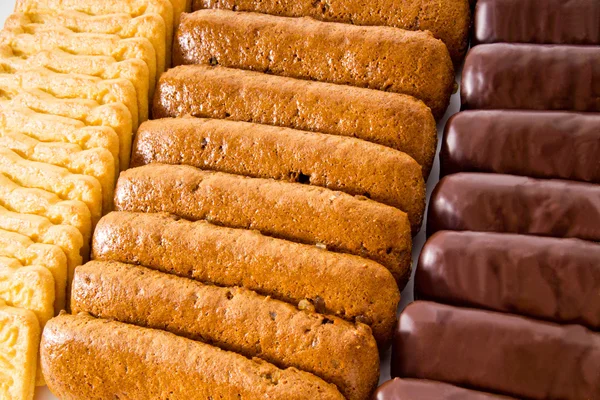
[
  {"x": 447, "y": 20},
  {"x": 353, "y": 166},
  {"x": 135, "y": 8},
  {"x": 180, "y": 368},
  {"x": 382, "y": 58},
  {"x": 47, "y": 256},
  {"x": 347, "y": 286},
  {"x": 32, "y": 38},
  {"x": 390, "y": 119},
  {"x": 90, "y": 112},
  {"x": 73, "y": 86},
  {"x": 40, "y": 230},
  {"x": 54, "y": 179},
  {"x": 51, "y": 128},
  {"x": 148, "y": 26},
  {"x": 19, "y": 342},
  {"x": 40, "y": 202},
  {"x": 97, "y": 162},
  {"x": 306, "y": 214},
  {"x": 104, "y": 67},
  {"x": 233, "y": 319}
]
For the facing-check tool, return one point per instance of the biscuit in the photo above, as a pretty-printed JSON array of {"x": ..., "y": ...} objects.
[
  {"x": 19, "y": 342},
  {"x": 40, "y": 202},
  {"x": 149, "y": 26},
  {"x": 104, "y": 67},
  {"x": 97, "y": 162},
  {"x": 168, "y": 365},
  {"x": 114, "y": 115},
  {"x": 51, "y": 128},
  {"x": 447, "y": 20},
  {"x": 347, "y": 286},
  {"x": 346, "y": 164},
  {"x": 73, "y": 86},
  {"x": 374, "y": 57},
  {"x": 54, "y": 179},
  {"x": 305, "y": 214},
  {"x": 233, "y": 319},
  {"x": 40, "y": 230},
  {"x": 50, "y": 257},
  {"x": 135, "y": 8},
  {"x": 390, "y": 119},
  {"x": 10, "y": 262}
]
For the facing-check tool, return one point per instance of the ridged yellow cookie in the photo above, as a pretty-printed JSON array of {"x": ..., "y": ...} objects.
[
  {"x": 104, "y": 67},
  {"x": 19, "y": 342},
  {"x": 54, "y": 179},
  {"x": 40, "y": 202},
  {"x": 90, "y": 112},
  {"x": 53, "y": 128},
  {"x": 33, "y": 38},
  {"x": 41, "y": 230},
  {"x": 46, "y": 256}
]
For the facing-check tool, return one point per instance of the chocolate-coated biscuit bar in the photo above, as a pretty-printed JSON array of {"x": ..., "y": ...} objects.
[
  {"x": 545, "y": 278},
  {"x": 532, "y": 77},
  {"x": 537, "y": 21},
  {"x": 423, "y": 389},
  {"x": 540, "y": 144},
  {"x": 495, "y": 352},
  {"x": 515, "y": 204}
]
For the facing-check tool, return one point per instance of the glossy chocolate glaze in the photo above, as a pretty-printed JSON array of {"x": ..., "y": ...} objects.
[
  {"x": 541, "y": 144},
  {"x": 514, "y": 204},
  {"x": 537, "y": 21},
  {"x": 496, "y": 352},
  {"x": 547, "y": 278},
  {"x": 532, "y": 77},
  {"x": 422, "y": 389}
]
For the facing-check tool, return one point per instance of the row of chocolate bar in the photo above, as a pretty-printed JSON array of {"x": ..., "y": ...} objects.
[{"x": 508, "y": 284}]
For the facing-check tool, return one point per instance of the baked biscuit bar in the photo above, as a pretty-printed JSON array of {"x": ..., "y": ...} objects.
[
  {"x": 54, "y": 179},
  {"x": 233, "y": 319},
  {"x": 19, "y": 343},
  {"x": 390, "y": 119},
  {"x": 447, "y": 20},
  {"x": 353, "y": 166},
  {"x": 40, "y": 230},
  {"x": 148, "y": 26},
  {"x": 50, "y": 257},
  {"x": 347, "y": 286},
  {"x": 90, "y": 112},
  {"x": 306, "y": 214},
  {"x": 40, "y": 202},
  {"x": 159, "y": 365},
  {"x": 382, "y": 58},
  {"x": 135, "y": 8}
]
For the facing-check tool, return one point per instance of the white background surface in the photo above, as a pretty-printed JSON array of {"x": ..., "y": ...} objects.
[{"x": 6, "y": 7}]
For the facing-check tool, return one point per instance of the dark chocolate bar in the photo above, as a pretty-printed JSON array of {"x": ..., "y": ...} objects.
[
  {"x": 540, "y": 144},
  {"x": 532, "y": 77},
  {"x": 514, "y": 204},
  {"x": 547, "y": 278},
  {"x": 423, "y": 389},
  {"x": 495, "y": 352},
  {"x": 537, "y": 21}
]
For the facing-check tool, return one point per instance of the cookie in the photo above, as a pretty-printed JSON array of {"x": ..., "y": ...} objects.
[
  {"x": 19, "y": 342},
  {"x": 46, "y": 256}
]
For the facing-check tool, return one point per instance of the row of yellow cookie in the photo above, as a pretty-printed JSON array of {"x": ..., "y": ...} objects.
[{"x": 76, "y": 78}]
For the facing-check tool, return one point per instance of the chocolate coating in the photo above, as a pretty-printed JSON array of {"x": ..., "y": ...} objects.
[
  {"x": 541, "y": 144},
  {"x": 422, "y": 389},
  {"x": 496, "y": 352},
  {"x": 537, "y": 21},
  {"x": 532, "y": 77},
  {"x": 514, "y": 204},
  {"x": 546, "y": 278}
]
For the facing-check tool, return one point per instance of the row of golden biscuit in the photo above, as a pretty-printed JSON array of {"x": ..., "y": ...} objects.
[{"x": 76, "y": 78}]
